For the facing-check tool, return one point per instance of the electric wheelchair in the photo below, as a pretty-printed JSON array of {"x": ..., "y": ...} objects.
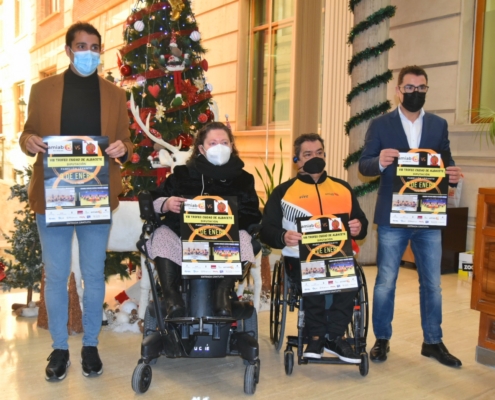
[
  {"x": 199, "y": 334},
  {"x": 286, "y": 294}
]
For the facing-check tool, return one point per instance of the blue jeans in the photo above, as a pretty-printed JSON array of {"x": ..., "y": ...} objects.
[
  {"x": 426, "y": 245},
  {"x": 56, "y": 247}
]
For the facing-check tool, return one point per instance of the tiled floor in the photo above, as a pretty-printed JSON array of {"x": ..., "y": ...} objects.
[{"x": 405, "y": 375}]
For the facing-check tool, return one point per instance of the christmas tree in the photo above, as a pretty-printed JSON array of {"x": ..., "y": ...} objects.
[
  {"x": 25, "y": 270},
  {"x": 161, "y": 66}
]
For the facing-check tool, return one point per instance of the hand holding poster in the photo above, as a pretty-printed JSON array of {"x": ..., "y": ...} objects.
[
  {"x": 210, "y": 238},
  {"x": 325, "y": 252},
  {"x": 420, "y": 190},
  {"x": 76, "y": 180}
]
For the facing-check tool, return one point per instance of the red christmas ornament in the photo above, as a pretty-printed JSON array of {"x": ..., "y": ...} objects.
[
  {"x": 154, "y": 90},
  {"x": 210, "y": 115},
  {"x": 186, "y": 139},
  {"x": 204, "y": 65},
  {"x": 203, "y": 118},
  {"x": 135, "y": 158},
  {"x": 125, "y": 70}
]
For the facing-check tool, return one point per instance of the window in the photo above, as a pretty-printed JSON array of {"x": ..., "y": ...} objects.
[
  {"x": 484, "y": 56},
  {"x": 50, "y": 7},
  {"x": 20, "y": 105},
  {"x": 270, "y": 61},
  {"x": 19, "y": 17}
]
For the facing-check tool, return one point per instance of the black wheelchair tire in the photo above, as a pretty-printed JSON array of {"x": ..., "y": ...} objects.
[
  {"x": 141, "y": 378},
  {"x": 288, "y": 362},
  {"x": 364, "y": 365},
  {"x": 250, "y": 377},
  {"x": 150, "y": 323},
  {"x": 278, "y": 306}
]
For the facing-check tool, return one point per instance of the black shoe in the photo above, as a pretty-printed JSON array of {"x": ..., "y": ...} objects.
[
  {"x": 440, "y": 352},
  {"x": 379, "y": 351},
  {"x": 314, "y": 348},
  {"x": 56, "y": 370},
  {"x": 342, "y": 349},
  {"x": 90, "y": 361}
]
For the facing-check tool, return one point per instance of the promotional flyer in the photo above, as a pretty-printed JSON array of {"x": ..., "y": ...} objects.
[
  {"x": 420, "y": 190},
  {"x": 76, "y": 180},
  {"x": 325, "y": 252},
  {"x": 210, "y": 238}
]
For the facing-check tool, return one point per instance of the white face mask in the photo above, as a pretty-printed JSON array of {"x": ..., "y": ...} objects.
[{"x": 218, "y": 154}]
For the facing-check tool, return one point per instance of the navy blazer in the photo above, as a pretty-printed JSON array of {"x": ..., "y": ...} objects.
[{"x": 386, "y": 132}]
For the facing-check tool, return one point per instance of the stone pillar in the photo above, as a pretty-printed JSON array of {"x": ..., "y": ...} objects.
[{"x": 360, "y": 74}]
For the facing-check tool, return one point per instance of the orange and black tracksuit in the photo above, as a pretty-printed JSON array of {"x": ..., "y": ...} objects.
[{"x": 303, "y": 197}]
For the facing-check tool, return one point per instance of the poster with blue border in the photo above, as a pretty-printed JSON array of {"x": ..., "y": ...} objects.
[
  {"x": 420, "y": 191},
  {"x": 76, "y": 180}
]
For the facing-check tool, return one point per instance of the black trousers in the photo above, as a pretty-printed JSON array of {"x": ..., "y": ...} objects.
[{"x": 318, "y": 320}]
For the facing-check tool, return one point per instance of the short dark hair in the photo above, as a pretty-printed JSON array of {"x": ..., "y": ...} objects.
[
  {"x": 77, "y": 27},
  {"x": 411, "y": 69},
  {"x": 201, "y": 136},
  {"x": 306, "y": 137}
]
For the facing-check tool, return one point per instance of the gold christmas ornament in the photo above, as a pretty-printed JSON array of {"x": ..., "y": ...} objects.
[
  {"x": 160, "y": 111},
  {"x": 177, "y": 7}
]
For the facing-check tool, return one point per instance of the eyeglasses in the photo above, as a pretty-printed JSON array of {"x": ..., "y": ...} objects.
[{"x": 412, "y": 88}]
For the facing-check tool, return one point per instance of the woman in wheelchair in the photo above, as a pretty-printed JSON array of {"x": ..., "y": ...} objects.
[{"x": 213, "y": 169}]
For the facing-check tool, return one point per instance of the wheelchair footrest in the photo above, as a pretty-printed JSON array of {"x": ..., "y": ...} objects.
[{"x": 245, "y": 345}]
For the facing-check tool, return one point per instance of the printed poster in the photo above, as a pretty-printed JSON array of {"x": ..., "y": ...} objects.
[
  {"x": 76, "y": 180},
  {"x": 210, "y": 238},
  {"x": 420, "y": 192},
  {"x": 325, "y": 252}
]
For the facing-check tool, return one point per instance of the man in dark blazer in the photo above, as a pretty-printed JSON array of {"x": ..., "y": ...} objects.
[
  {"x": 76, "y": 102},
  {"x": 405, "y": 128}
]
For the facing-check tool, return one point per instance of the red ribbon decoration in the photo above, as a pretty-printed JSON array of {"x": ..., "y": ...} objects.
[{"x": 147, "y": 39}]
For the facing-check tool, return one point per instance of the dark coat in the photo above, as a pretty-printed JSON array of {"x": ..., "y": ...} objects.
[
  {"x": 187, "y": 181},
  {"x": 386, "y": 132}
]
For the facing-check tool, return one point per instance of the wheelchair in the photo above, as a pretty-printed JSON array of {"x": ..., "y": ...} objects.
[
  {"x": 286, "y": 295},
  {"x": 199, "y": 334}
]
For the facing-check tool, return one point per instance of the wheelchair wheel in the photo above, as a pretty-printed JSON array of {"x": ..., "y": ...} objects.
[
  {"x": 249, "y": 325},
  {"x": 150, "y": 323},
  {"x": 364, "y": 366},
  {"x": 288, "y": 361},
  {"x": 251, "y": 377},
  {"x": 141, "y": 378},
  {"x": 357, "y": 331},
  {"x": 278, "y": 306}
]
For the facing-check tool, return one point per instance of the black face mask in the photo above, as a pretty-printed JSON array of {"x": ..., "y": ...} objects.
[
  {"x": 413, "y": 102},
  {"x": 314, "y": 165}
]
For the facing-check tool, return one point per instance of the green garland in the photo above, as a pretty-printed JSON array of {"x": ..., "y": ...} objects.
[
  {"x": 366, "y": 188},
  {"x": 353, "y": 3},
  {"x": 353, "y": 158},
  {"x": 367, "y": 114},
  {"x": 374, "y": 82},
  {"x": 368, "y": 53},
  {"x": 374, "y": 19}
]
